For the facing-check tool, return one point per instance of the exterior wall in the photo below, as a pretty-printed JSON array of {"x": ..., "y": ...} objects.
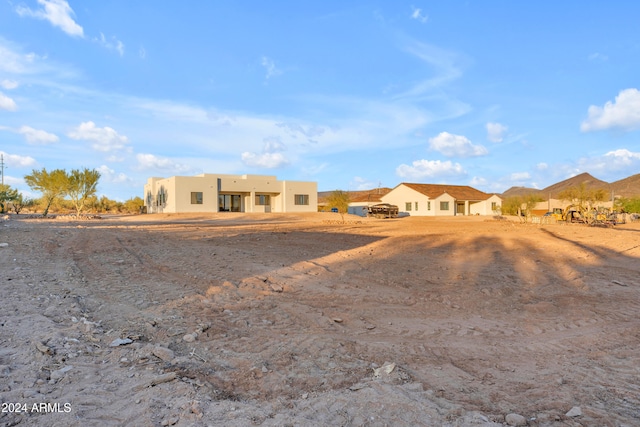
[
  {"x": 359, "y": 208},
  {"x": 185, "y": 185},
  {"x": 176, "y": 192},
  {"x": 485, "y": 207},
  {"x": 439, "y": 209},
  {"x": 402, "y": 195},
  {"x": 292, "y": 188},
  {"x": 157, "y": 195}
]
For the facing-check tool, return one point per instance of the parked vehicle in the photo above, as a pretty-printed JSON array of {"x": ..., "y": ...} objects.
[{"x": 383, "y": 210}]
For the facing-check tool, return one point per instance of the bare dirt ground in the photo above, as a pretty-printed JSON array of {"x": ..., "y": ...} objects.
[{"x": 239, "y": 319}]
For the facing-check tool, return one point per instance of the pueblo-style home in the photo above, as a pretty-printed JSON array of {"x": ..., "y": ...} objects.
[{"x": 229, "y": 193}]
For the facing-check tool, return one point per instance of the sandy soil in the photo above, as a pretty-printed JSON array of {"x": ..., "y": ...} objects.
[{"x": 239, "y": 319}]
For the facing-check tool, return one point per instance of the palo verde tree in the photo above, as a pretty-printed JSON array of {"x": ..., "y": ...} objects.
[
  {"x": 7, "y": 195},
  {"x": 81, "y": 185},
  {"x": 340, "y": 200},
  {"x": 52, "y": 185}
]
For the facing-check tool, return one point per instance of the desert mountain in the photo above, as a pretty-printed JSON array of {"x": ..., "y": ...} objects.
[
  {"x": 585, "y": 179},
  {"x": 628, "y": 187},
  {"x": 519, "y": 192}
]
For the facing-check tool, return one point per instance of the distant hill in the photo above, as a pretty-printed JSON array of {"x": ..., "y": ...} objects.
[
  {"x": 519, "y": 192},
  {"x": 589, "y": 182},
  {"x": 628, "y": 187},
  {"x": 372, "y": 196}
]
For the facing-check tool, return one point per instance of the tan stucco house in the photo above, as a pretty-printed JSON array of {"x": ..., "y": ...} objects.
[
  {"x": 442, "y": 200},
  {"x": 229, "y": 193}
]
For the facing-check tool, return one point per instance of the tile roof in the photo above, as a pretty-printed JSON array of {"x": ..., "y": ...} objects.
[
  {"x": 368, "y": 195},
  {"x": 458, "y": 192}
]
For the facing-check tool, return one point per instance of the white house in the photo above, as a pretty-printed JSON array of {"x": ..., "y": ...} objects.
[
  {"x": 442, "y": 200},
  {"x": 229, "y": 193}
]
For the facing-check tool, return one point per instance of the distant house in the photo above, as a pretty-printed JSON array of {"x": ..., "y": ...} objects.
[
  {"x": 442, "y": 200},
  {"x": 229, "y": 193}
]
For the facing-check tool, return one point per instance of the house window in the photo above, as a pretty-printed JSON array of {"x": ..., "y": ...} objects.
[
  {"x": 407, "y": 206},
  {"x": 494, "y": 206},
  {"x": 428, "y": 206},
  {"x": 196, "y": 197},
  {"x": 161, "y": 198},
  {"x": 301, "y": 199},
  {"x": 444, "y": 206},
  {"x": 263, "y": 200},
  {"x": 416, "y": 206}
]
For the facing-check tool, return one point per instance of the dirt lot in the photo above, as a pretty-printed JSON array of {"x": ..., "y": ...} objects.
[{"x": 239, "y": 319}]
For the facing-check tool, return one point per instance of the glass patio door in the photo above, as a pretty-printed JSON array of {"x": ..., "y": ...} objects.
[{"x": 229, "y": 203}]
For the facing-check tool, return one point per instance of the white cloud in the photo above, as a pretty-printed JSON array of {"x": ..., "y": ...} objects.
[
  {"x": 7, "y": 103},
  {"x": 430, "y": 169},
  {"x": 520, "y": 176},
  {"x": 17, "y": 161},
  {"x": 542, "y": 166},
  {"x": 14, "y": 60},
  {"x": 36, "y": 136},
  {"x": 620, "y": 160},
  {"x": 271, "y": 156},
  {"x": 623, "y": 156},
  {"x": 307, "y": 131},
  {"x": 9, "y": 84},
  {"x": 477, "y": 181},
  {"x": 104, "y": 139},
  {"x": 264, "y": 160},
  {"x": 495, "y": 132},
  {"x": 455, "y": 146},
  {"x": 273, "y": 144},
  {"x": 360, "y": 184},
  {"x": 270, "y": 67},
  {"x": 623, "y": 113},
  {"x": 150, "y": 161},
  {"x": 446, "y": 68},
  {"x": 419, "y": 16},
  {"x": 113, "y": 44},
  {"x": 58, "y": 13},
  {"x": 110, "y": 175}
]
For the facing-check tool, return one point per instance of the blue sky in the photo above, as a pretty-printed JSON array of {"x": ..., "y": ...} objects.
[{"x": 354, "y": 94}]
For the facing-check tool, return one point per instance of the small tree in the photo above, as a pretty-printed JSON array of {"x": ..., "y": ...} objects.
[
  {"x": 7, "y": 195},
  {"x": 52, "y": 185},
  {"x": 522, "y": 206},
  {"x": 511, "y": 205},
  {"x": 133, "y": 205},
  {"x": 21, "y": 202},
  {"x": 81, "y": 185},
  {"x": 629, "y": 205},
  {"x": 582, "y": 196},
  {"x": 340, "y": 200}
]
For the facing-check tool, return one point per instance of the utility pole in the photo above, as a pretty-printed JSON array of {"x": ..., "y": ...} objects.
[{"x": 2, "y": 167}]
